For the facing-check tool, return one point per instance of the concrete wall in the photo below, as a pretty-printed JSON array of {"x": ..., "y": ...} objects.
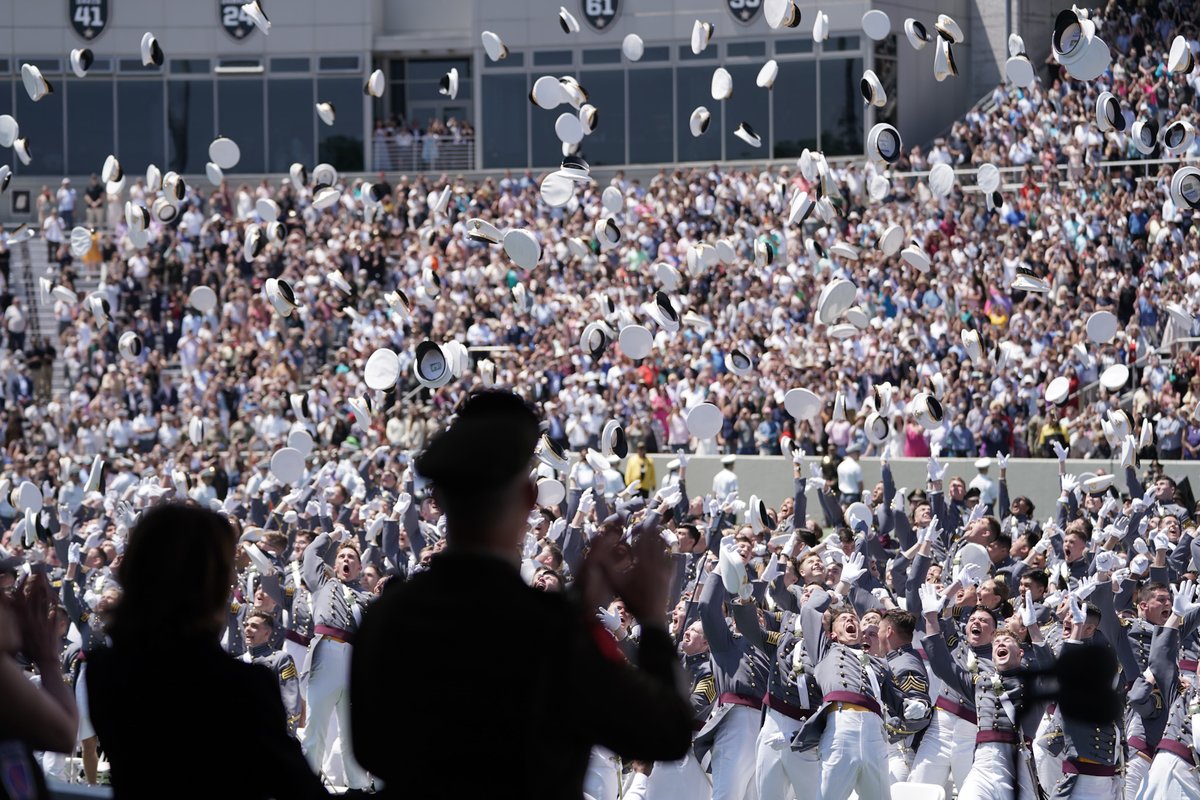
[{"x": 770, "y": 477}]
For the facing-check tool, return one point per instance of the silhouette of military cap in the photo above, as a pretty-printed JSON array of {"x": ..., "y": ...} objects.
[{"x": 490, "y": 441}]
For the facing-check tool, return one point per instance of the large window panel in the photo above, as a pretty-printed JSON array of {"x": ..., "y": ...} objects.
[
  {"x": 240, "y": 111},
  {"x": 794, "y": 98},
  {"x": 140, "y": 123},
  {"x": 606, "y": 91},
  {"x": 291, "y": 119},
  {"x": 42, "y": 124},
  {"x": 693, "y": 88},
  {"x": 341, "y": 144},
  {"x": 190, "y": 125},
  {"x": 89, "y": 125},
  {"x": 841, "y": 106},
  {"x": 748, "y": 104},
  {"x": 547, "y": 147},
  {"x": 651, "y": 127},
  {"x": 505, "y": 121}
]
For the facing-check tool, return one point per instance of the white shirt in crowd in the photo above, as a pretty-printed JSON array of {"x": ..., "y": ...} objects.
[{"x": 724, "y": 483}]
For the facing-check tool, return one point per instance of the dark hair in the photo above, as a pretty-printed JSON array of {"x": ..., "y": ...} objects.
[
  {"x": 902, "y": 622},
  {"x": 1039, "y": 577},
  {"x": 264, "y": 616},
  {"x": 176, "y": 575},
  {"x": 1149, "y": 589},
  {"x": 690, "y": 529}
]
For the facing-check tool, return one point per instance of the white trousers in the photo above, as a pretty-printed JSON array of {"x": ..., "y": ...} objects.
[
  {"x": 678, "y": 780},
  {"x": 1049, "y": 766},
  {"x": 947, "y": 750},
  {"x": 900, "y": 760},
  {"x": 329, "y": 694},
  {"x": 733, "y": 755},
  {"x": 1089, "y": 787},
  {"x": 1170, "y": 778},
  {"x": 999, "y": 770},
  {"x": 1136, "y": 770},
  {"x": 777, "y": 767},
  {"x": 603, "y": 776},
  {"x": 853, "y": 757},
  {"x": 86, "y": 731}
]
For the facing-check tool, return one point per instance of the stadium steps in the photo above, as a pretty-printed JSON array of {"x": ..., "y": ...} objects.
[{"x": 36, "y": 264}]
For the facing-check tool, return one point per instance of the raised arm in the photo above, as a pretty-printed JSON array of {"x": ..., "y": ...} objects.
[
  {"x": 712, "y": 614},
  {"x": 746, "y": 617},
  {"x": 318, "y": 556},
  {"x": 942, "y": 663}
]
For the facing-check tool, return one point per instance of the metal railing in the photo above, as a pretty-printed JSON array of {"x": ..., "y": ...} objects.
[{"x": 426, "y": 154}]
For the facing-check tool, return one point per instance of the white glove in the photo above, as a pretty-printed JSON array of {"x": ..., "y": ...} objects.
[
  {"x": 1107, "y": 561},
  {"x": 66, "y": 517},
  {"x": 1150, "y": 496},
  {"x": 976, "y": 513},
  {"x": 1140, "y": 564},
  {"x": 373, "y": 529},
  {"x": 1139, "y": 545},
  {"x": 733, "y": 573},
  {"x": 587, "y": 502},
  {"x": 683, "y": 461},
  {"x": 74, "y": 553},
  {"x": 555, "y": 531},
  {"x": 1085, "y": 587},
  {"x": 853, "y": 569},
  {"x": 337, "y": 534},
  {"x": 898, "y": 503},
  {"x": 608, "y": 619},
  {"x": 1002, "y": 461},
  {"x": 935, "y": 470},
  {"x": 931, "y": 601},
  {"x": 670, "y": 496},
  {"x": 312, "y": 509},
  {"x": 1069, "y": 483},
  {"x": 1128, "y": 450},
  {"x": 1108, "y": 509},
  {"x": 631, "y": 489},
  {"x": 1183, "y": 599},
  {"x": 1060, "y": 452},
  {"x": 1118, "y": 578},
  {"x": 736, "y": 508},
  {"x": 915, "y": 709},
  {"x": 1161, "y": 542},
  {"x": 814, "y": 472},
  {"x": 969, "y": 575},
  {"x": 529, "y": 547},
  {"x": 47, "y": 493},
  {"x": 932, "y": 531},
  {"x": 884, "y": 458},
  {"x": 1028, "y": 612},
  {"x": 1078, "y": 610},
  {"x": 402, "y": 504}
]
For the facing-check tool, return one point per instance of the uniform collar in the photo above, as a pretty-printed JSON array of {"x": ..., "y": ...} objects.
[{"x": 260, "y": 650}]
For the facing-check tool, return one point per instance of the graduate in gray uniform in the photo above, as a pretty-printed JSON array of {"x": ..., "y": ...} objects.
[
  {"x": 685, "y": 779},
  {"x": 257, "y": 631},
  {"x": 911, "y": 684},
  {"x": 331, "y": 570},
  {"x": 1001, "y": 768}
]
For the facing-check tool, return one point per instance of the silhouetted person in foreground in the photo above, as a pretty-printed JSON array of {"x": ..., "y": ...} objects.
[
  {"x": 447, "y": 701},
  {"x": 177, "y": 716}
]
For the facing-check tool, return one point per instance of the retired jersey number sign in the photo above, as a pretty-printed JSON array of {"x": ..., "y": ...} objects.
[
  {"x": 235, "y": 21},
  {"x": 600, "y": 14},
  {"x": 88, "y": 17},
  {"x": 744, "y": 11}
]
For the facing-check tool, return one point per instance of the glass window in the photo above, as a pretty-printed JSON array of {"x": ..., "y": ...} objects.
[
  {"x": 606, "y": 91},
  {"x": 136, "y": 65},
  {"x": 4, "y": 65},
  {"x": 751, "y": 49},
  {"x": 290, "y": 64},
  {"x": 396, "y": 68},
  {"x": 140, "y": 116},
  {"x": 42, "y": 124},
  {"x": 686, "y": 54},
  {"x": 748, "y": 104},
  {"x": 191, "y": 66},
  {"x": 434, "y": 69},
  {"x": 694, "y": 89},
  {"x": 48, "y": 66},
  {"x": 339, "y": 64},
  {"x": 788, "y": 46},
  {"x": 650, "y": 119},
  {"x": 659, "y": 53},
  {"x": 244, "y": 64},
  {"x": 546, "y": 148},
  {"x": 843, "y": 43},
  {"x": 341, "y": 144},
  {"x": 99, "y": 66},
  {"x": 795, "y": 121},
  {"x": 291, "y": 117},
  {"x": 240, "y": 117},
  {"x": 190, "y": 125},
  {"x": 841, "y": 106},
  {"x": 511, "y": 60},
  {"x": 89, "y": 125},
  {"x": 551, "y": 58},
  {"x": 505, "y": 121},
  {"x": 602, "y": 56}
]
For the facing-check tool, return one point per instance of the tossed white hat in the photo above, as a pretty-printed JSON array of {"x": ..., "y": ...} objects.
[
  {"x": 1109, "y": 116},
  {"x": 613, "y": 441},
  {"x": 494, "y": 46},
  {"x": 632, "y": 47},
  {"x": 701, "y": 35},
  {"x": 1028, "y": 281},
  {"x": 1145, "y": 135},
  {"x": 568, "y": 128},
  {"x": 698, "y": 121},
  {"x": 857, "y": 514},
  {"x": 820, "y": 27},
  {"x": 1115, "y": 377},
  {"x": 891, "y": 240},
  {"x": 1019, "y": 71},
  {"x": 927, "y": 411},
  {"x": 747, "y": 134},
  {"x": 918, "y": 37},
  {"x": 22, "y": 149},
  {"x": 287, "y": 465},
  {"x": 944, "y": 65},
  {"x": 375, "y": 84},
  {"x": 596, "y": 338},
  {"x": 988, "y": 178},
  {"x": 280, "y": 295},
  {"x": 872, "y": 90},
  {"x": 1179, "y": 316},
  {"x": 254, "y": 11},
  {"x": 722, "y": 84},
  {"x": 836, "y": 297},
  {"x": 1076, "y": 46},
  {"x": 949, "y": 29},
  {"x": 81, "y": 61},
  {"x": 431, "y": 366},
  {"x": 27, "y": 497},
  {"x": 1102, "y": 326},
  {"x": 550, "y": 454},
  {"x": 1181, "y": 61},
  {"x": 877, "y": 428},
  {"x": 382, "y": 370},
  {"x": 884, "y": 143},
  {"x": 111, "y": 171},
  {"x": 704, "y": 421},
  {"x": 196, "y": 430},
  {"x": 129, "y": 346},
  {"x": 448, "y": 84},
  {"x": 522, "y": 247},
  {"x": 9, "y": 130},
  {"x": 972, "y": 344},
  {"x": 224, "y": 152},
  {"x": 941, "y": 180},
  {"x": 203, "y": 299},
  {"x": 661, "y": 310},
  {"x": 767, "y": 75},
  {"x": 152, "y": 54},
  {"x": 301, "y": 440},
  {"x": 876, "y": 24},
  {"x": 567, "y": 21},
  {"x": 802, "y": 404},
  {"x": 1058, "y": 390},
  {"x": 781, "y": 14},
  {"x": 36, "y": 85},
  {"x": 550, "y": 492},
  {"x": 608, "y": 232},
  {"x": 1178, "y": 136},
  {"x": 739, "y": 362},
  {"x": 636, "y": 341}
]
